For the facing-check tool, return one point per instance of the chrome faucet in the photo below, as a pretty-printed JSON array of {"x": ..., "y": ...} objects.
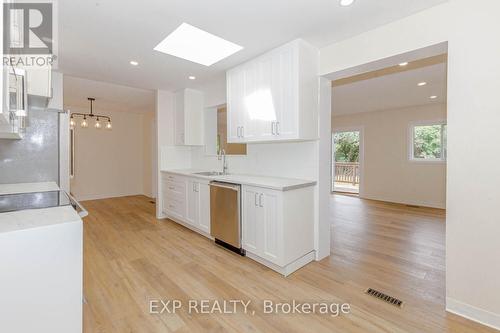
[{"x": 222, "y": 156}]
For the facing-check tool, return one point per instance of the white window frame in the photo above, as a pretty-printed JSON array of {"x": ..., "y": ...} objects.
[
  {"x": 72, "y": 153},
  {"x": 411, "y": 146}
]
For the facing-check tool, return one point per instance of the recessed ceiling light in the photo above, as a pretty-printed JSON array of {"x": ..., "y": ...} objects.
[
  {"x": 191, "y": 77},
  {"x": 403, "y": 64},
  {"x": 196, "y": 45},
  {"x": 346, "y": 3},
  {"x": 421, "y": 84},
  {"x": 433, "y": 97},
  {"x": 134, "y": 63}
]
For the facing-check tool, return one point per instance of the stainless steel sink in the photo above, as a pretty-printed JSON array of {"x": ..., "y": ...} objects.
[{"x": 210, "y": 173}]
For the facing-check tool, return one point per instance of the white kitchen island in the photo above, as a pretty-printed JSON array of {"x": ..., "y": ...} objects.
[{"x": 41, "y": 266}]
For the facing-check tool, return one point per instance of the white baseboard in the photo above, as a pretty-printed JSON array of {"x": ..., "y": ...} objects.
[
  {"x": 404, "y": 202},
  {"x": 473, "y": 313},
  {"x": 288, "y": 269},
  {"x": 103, "y": 196}
]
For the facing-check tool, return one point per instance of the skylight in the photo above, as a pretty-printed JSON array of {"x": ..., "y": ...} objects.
[{"x": 196, "y": 45}]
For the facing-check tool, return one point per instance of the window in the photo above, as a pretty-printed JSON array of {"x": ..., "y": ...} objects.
[
  {"x": 71, "y": 153},
  {"x": 428, "y": 142},
  {"x": 229, "y": 148}
]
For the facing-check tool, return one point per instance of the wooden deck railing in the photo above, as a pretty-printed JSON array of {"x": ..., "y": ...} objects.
[{"x": 347, "y": 172}]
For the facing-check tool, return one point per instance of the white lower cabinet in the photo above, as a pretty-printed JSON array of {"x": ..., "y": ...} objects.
[
  {"x": 187, "y": 200},
  {"x": 278, "y": 227}
]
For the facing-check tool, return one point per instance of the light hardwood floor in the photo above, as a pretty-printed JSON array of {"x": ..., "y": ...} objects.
[{"x": 131, "y": 258}]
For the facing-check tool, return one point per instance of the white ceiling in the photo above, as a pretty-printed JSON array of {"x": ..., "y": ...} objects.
[
  {"x": 98, "y": 38},
  {"x": 109, "y": 97},
  {"x": 391, "y": 91}
]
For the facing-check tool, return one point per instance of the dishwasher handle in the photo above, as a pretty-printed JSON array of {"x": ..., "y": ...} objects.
[{"x": 228, "y": 186}]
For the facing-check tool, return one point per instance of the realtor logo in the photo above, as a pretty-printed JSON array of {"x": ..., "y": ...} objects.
[{"x": 29, "y": 33}]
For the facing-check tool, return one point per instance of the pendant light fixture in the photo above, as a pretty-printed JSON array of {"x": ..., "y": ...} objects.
[{"x": 85, "y": 122}]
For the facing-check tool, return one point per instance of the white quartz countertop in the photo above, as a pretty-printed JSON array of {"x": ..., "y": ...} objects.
[
  {"x": 28, "y": 188},
  {"x": 34, "y": 218},
  {"x": 274, "y": 183}
]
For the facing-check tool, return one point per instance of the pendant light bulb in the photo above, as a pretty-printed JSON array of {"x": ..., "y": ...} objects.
[
  {"x": 108, "y": 125},
  {"x": 84, "y": 123},
  {"x": 98, "y": 124},
  {"x": 72, "y": 122}
]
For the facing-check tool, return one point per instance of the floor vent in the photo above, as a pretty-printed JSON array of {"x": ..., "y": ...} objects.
[
  {"x": 152, "y": 202},
  {"x": 386, "y": 298},
  {"x": 412, "y": 206}
]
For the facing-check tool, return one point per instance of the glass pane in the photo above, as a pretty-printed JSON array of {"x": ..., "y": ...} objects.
[
  {"x": 427, "y": 142},
  {"x": 346, "y": 146}
]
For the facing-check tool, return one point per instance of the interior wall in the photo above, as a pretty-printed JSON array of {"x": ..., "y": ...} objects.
[
  {"x": 472, "y": 228},
  {"x": 110, "y": 163},
  {"x": 389, "y": 175}
]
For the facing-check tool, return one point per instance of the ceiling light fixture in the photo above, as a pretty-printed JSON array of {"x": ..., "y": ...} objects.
[
  {"x": 421, "y": 84},
  {"x": 134, "y": 63},
  {"x": 345, "y": 3},
  {"x": 192, "y": 77},
  {"x": 91, "y": 115},
  {"x": 433, "y": 97},
  {"x": 403, "y": 64},
  {"x": 196, "y": 45}
]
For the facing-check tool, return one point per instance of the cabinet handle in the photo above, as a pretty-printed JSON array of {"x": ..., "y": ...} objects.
[
  {"x": 278, "y": 128},
  {"x": 170, "y": 188},
  {"x": 256, "y": 204},
  {"x": 273, "y": 130},
  {"x": 242, "y": 131},
  {"x": 260, "y": 200},
  {"x": 238, "y": 131}
]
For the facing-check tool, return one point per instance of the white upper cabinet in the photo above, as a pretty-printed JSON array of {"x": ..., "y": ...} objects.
[
  {"x": 189, "y": 118},
  {"x": 275, "y": 96},
  {"x": 40, "y": 82}
]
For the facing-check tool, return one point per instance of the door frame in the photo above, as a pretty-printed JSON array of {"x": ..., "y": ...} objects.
[{"x": 361, "y": 130}]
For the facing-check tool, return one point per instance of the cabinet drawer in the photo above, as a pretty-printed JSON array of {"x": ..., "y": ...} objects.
[
  {"x": 171, "y": 177},
  {"x": 175, "y": 186},
  {"x": 174, "y": 207},
  {"x": 178, "y": 196}
]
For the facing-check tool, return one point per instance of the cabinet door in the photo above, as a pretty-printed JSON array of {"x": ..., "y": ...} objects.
[
  {"x": 252, "y": 102},
  {"x": 204, "y": 211},
  {"x": 285, "y": 66},
  {"x": 272, "y": 235},
  {"x": 39, "y": 82},
  {"x": 263, "y": 122},
  {"x": 194, "y": 110},
  {"x": 193, "y": 203},
  {"x": 179, "y": 132},
  {"x": 252, "y": 217},
  {"x": 235, "y": 104}
]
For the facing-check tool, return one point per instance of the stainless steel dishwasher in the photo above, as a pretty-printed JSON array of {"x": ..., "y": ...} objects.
[{"x": 225, "y": 215}]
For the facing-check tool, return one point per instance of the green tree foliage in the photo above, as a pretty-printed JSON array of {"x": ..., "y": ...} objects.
[
  {"x": 346, "y": 146},
  {"x": 427, "y": 141}
]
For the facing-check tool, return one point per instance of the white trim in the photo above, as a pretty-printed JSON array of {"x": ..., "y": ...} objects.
[
  {"x": 420, "y": 203},
  {"x": 285, "y": 270},
  {"x": 411, "y": 136},
  {"x": 105, "y": 196},
  {"x": 473, "y": 313}
]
